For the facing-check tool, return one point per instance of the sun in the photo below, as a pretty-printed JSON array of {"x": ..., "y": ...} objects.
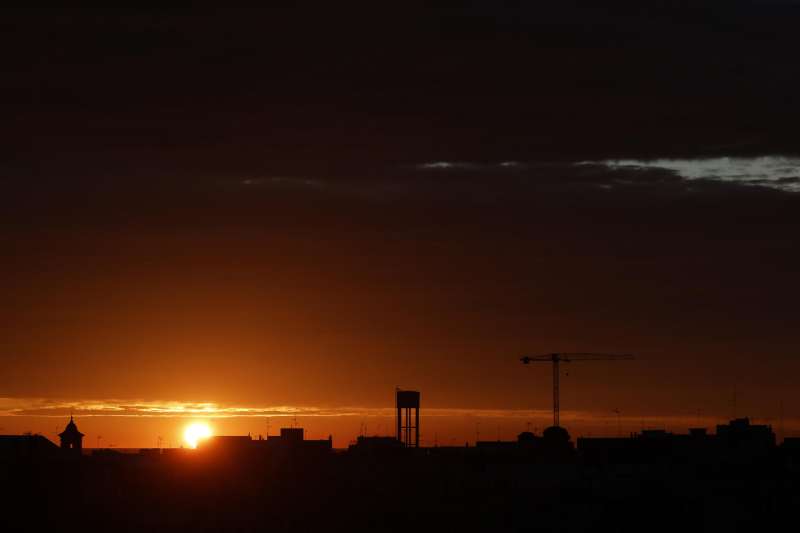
[{"x": 196, "y": 432}]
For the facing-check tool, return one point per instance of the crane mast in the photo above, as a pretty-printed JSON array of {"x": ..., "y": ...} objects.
[{"x": 557, "y": 358}]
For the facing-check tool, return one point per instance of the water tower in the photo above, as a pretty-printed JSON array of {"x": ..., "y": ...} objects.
[{"x": 406, "y": 400}]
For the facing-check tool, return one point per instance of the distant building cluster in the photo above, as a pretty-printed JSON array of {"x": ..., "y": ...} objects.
[
  {"x": 736, "y": 441},
  {"x": 289, "y": 441}
]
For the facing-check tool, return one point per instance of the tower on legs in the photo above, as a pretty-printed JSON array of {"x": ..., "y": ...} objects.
[{"x": 408, "y": 427}]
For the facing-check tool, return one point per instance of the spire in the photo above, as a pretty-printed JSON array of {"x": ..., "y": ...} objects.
[
  {"x": 71, "y": 438},
  {"x": 71, "y": 428}
]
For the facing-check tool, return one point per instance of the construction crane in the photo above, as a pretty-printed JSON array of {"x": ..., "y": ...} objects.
[{"x": 558, "y": 358}]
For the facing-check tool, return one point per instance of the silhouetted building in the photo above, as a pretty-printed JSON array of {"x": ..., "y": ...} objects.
[
  {"x": 737, "y": 441},
  {"x": 527, "y": 443},
  {"x": 527, "y": 439},
  {"x": 740, "y": 433},
  {"x": 150, "y": 452},
  {"x": 497, "y": 446},
  {"x": 556, "y": 444},
  {"x": 291, "y": 440},
  {"x": 604, "y": 450},
  {"x": 790, "y": 452},
  {"x": 649, "y": 446},
  {"x": 791, "y": 444},
  {"x": 698, "y": 433},
  {"x": 71, "y": 438},
  {"x": 107, "y": 454},
  {"x": 288, "y": 445},
  {"x": 376, "y": 445},
  {"x": 227, "y": 444},
  {"x": 407, "y": 401},
  {"x": 19, "y": 447},
  {"x": 291, "y": 434}
]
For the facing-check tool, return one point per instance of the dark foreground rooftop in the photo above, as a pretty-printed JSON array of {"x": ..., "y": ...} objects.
[{"x": 379, "y": 485}]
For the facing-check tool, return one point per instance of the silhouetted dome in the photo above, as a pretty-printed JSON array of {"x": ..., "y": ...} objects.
[
  {"x": 555, "y": 435},
  {"x": 556, "y": 443},
  {"x": 526, "y": 436}
]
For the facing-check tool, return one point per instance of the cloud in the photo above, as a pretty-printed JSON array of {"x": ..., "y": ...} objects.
[
  {"x": 61, "y": 408},
  {"x": 446, "y": 165},
  {"x": 481, "y": 182},
  {"x": 22, "y": 412},
  {"x": 468, "y": 165},
  {"x": 775, "y": 172},
  {"x": 282, "y": 181},
  {"x": 42, "y": 407}
]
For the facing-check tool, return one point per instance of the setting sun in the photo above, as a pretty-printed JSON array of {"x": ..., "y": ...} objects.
[{"x": 195, "y": 433}]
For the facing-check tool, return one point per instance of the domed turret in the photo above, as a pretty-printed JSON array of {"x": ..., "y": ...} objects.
[
  {"x": 71, "y": 438},
  {"x": 556, "y": 435},
  {"x": 556, "y": 444}
]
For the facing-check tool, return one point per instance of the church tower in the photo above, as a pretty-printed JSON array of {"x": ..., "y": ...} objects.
[{"x": 71, "y": 438}]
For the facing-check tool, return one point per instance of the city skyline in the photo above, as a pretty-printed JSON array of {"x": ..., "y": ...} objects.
[
  {"x": 503, "y": 266},
  {"x": 167, "y": 422},
  {"x": 256, "y": 208}
]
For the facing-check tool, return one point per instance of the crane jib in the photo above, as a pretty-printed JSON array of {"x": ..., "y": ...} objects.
[{"x": 556, "y": 358}]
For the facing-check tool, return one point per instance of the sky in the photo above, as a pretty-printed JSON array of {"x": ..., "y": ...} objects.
[{"x": 242, "y": 215}]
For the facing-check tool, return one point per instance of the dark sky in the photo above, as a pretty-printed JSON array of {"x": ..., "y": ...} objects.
[{"x": 282, "y": 207}]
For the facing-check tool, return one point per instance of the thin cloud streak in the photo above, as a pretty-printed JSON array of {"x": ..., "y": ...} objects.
[
  {"x": 60, "y": 408},
  {"x": 282, "y": 181},
  {"x": 775, "y": 172},
  {"x": 480, "y": 180},
  {"x": 469, "y": 165},
  {"x": 41, "y": 407}
]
